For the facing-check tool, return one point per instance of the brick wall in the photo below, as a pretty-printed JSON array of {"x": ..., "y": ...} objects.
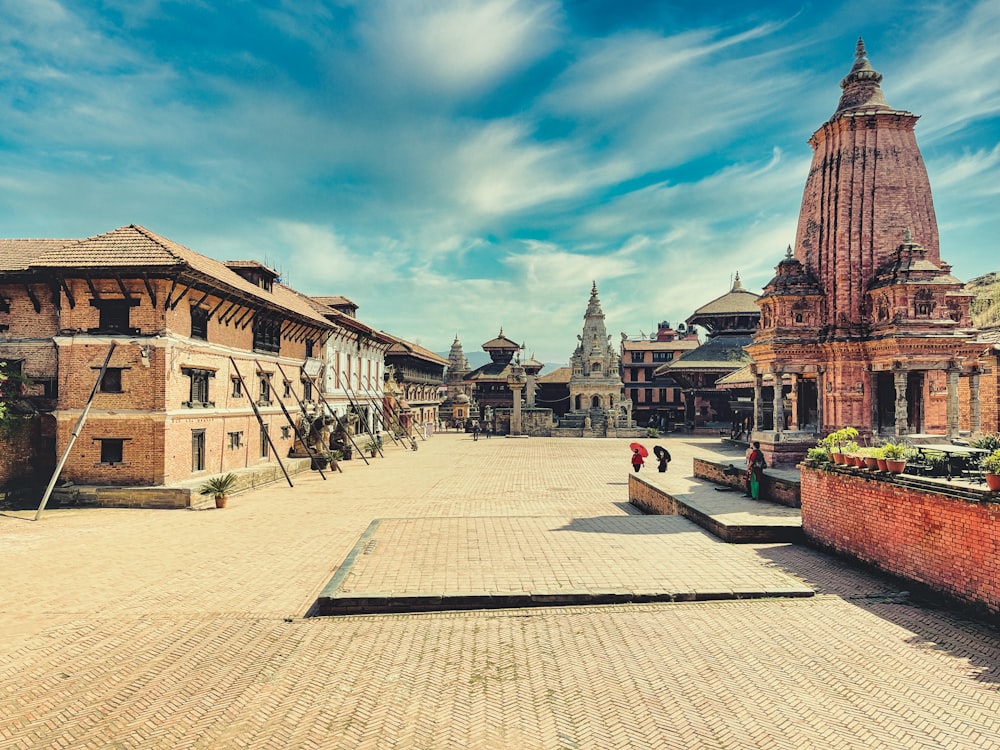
[
  {"x": 948, "y": 544},
  {"x": 772, "y": 488}
]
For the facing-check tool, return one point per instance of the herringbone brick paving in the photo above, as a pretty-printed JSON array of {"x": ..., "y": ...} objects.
[{"x": 182, "y": 629}]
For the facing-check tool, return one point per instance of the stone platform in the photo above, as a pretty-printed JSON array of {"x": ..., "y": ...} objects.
[{"x": 434, "y": 564}]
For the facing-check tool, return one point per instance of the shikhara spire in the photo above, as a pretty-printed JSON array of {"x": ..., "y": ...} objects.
[{"x": 861, "y": 86}]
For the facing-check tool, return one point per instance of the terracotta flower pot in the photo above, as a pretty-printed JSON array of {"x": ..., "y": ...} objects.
[
  {"x": 880, "y": 462},
  {"x": 839, "y": 458},
  {"x": 221, "y": 501},
  {"x": 871, "y": 462},
  {"x": 993, "y": 482},
  {"x": 895, "y": 467}
]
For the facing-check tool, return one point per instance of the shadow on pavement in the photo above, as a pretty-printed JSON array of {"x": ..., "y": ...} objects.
[{"x": 935, "y": 622}]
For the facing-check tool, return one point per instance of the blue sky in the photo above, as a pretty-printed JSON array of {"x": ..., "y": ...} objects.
[{"x": 462, "y": 165}]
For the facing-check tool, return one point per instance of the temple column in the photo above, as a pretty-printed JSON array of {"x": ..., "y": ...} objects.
[
  {"x": 951, "y": 410},
  {"x": 975, "y": 414},
  {"x": 820, "y": 390},
  {"x": 794, "y": 395},
  {"x": 900, "y": 378},
  {"x": 779, "y": 402},
  {"x": 758, "y": 402}
]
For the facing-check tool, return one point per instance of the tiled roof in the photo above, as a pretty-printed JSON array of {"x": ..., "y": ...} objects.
[
  {"x": 17, "y": 255},
  {"x": 136, "y": 247},
  {"x": 735, "y": 302},
  {"x": 559, "y": 375},
  {"x": 335, "y": 301},
  {"x": 719, "y": 353},
  {"x": 401, "y": 346}
]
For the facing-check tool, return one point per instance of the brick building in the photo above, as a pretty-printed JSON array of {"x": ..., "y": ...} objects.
[
  {"x": 657, "y": 399},
  {"x": 863, "y": 318},
  {"x": 416, "y": 375},
  {"x": 200, "y": 349}
]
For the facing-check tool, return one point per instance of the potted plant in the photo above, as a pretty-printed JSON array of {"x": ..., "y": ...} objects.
[
  {"x": 371, "y": 448},
  {"x": 219, "y": 486},
  {"x": 818, "y": 456},
  {"x": 991, "y": 469},
  {"x": 895, "y": 457},
  {"x": 839, "y": 443},
  {"x": 868, "y": 455},
  {"x": 880, "y": 458}
]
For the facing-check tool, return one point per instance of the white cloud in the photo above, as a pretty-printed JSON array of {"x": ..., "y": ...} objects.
[{"x": 457, "y": 46}]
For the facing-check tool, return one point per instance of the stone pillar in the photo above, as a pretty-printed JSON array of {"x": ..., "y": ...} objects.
[
  {"x": 779, "y": 402},
  {"x": 516, "y": 380},
  {"x": 796, "y": 380},
  {"x": 975, "y": 414},
  {"x": 951, "y": 410},
  {"x": 529, "y": 392},
  {"x": 758, "y": 402},
  {"x": 900, "y": 378},
  {"x": 820, "y": 391}
]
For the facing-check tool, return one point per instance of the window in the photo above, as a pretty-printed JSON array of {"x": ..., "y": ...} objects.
[
  {"x": 310, "y": 344},
  {"x": 648, "y": 395},
  {"x": 663, "y": 356},
  {"x": 265, "y": 389},
  {"x": 266, "y": 334},
  {"x": 237, "y": 391},
  {"x": 112, "y": 450},
  {"x": 265, "y": 446},
  {"x": 199, "y": 323},
  {"x": 199, "y": 386},
  {"x": 197, "y": 450},
  {"x": 639, "y": 356},
  {"x": 663, "y": 395},
  {"x": 307, "y": 390},
  {"x": 113, "y": 315},
  {"x": 288, "y": 389},
  {"x": 286, "y": 432},
  {"x": 112, "y": 380},
  {"x": 235, "y": 440}
]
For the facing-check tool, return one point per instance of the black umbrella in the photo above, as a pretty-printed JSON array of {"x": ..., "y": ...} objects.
[{"x": 659, "y": 450}]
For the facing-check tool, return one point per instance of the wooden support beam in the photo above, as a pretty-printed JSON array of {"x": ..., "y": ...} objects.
[
  {"x": 34, "y": 300},
  {"x": 166, "y": 302},
  {"x": 182, "y": 295},
  {"x": 93, "y": 289},
  {"x": 215, "y": 309},
  {"x": 149, "y": 289},
  {"x": 121, "y": 285},
  {"x": 203, "y": 298},
  {"x": 225, "y": 313},
  {"x": 69, "y": 294},
  {"x": 251, "y": 312}
]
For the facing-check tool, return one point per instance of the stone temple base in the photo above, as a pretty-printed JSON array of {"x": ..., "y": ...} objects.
[{"x": 784, "y": 449}]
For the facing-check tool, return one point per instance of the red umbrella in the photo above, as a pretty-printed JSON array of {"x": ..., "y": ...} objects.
[{"x": 639, "y": 447}]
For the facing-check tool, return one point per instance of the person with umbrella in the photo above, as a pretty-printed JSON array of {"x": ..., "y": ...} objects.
[
  {"x": 639, "y": 452},
  {"x": 662, "y": 458}
]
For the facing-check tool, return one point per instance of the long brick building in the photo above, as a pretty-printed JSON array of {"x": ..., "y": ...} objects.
[{"x": 200, "y": 348}]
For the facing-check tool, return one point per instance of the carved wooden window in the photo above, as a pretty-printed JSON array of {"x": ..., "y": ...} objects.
[{"x": 199, "y": 323}]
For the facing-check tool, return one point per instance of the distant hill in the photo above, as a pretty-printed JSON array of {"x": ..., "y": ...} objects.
[{"x": 986, "y": 305}]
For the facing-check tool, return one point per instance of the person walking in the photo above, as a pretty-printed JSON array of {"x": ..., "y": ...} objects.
[
  {"x": 475, "y": 431},
  {"x": 662, "y": 458},
  {"x": 755, "y": 471},
  {"x": 637, "y": 461}
]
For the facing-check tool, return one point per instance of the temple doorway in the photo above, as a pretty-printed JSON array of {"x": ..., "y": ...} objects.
[
  {"x": 885, "y": 404},
  {"x": 915, "y": 402},
  {"x": 808, "y": 399}
]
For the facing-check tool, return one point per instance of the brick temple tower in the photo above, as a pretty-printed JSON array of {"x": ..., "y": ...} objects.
[{"x": 863, "y": 324}]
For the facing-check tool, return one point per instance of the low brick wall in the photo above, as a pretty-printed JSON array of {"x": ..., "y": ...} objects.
[
  {"x": 944, "y": 543},
  {"x": 650, "y": 499},
  {"x": 775, "y": 489}
]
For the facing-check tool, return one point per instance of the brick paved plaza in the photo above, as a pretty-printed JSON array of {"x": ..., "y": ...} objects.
[{"x": 186, "y": 629}]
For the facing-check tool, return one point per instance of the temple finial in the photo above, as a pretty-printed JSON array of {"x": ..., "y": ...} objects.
[
  {"x": 737, "y": 284},
  {"x": 788, "y": 253},
  {"x": 859, "y": 51},
  {"x": 908, "y": 236}
]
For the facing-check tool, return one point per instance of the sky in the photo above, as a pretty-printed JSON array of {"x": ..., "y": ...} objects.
[{"x": 460, "y": 166}]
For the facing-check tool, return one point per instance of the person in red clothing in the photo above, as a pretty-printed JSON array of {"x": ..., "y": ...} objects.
[
  {"x": 755, "y": 471},
  {"x": 637, "y": 461}
]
